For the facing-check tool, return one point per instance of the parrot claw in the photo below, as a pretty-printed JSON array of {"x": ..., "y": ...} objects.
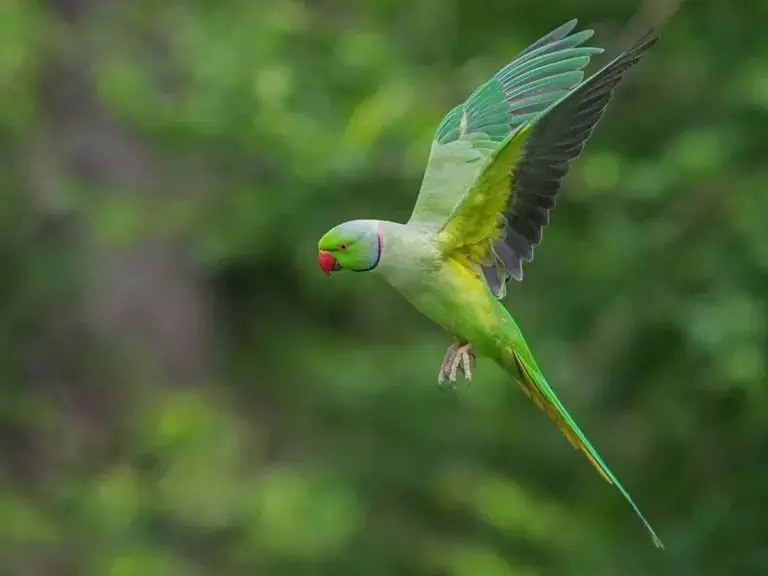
[{"x": 458, "y": 357}]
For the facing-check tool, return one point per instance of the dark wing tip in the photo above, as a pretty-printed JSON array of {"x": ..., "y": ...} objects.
[
  {"x": 648, "y": 39},
  {"x": 557, "y": 139}
]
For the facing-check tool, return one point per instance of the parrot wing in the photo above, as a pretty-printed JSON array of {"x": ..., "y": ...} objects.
[
  {"x": 468, "y": 135},
  {"x": 499, "y": 220}
]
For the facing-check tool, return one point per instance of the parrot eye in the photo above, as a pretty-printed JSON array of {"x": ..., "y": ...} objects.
[{"x": 342, "y": 246}]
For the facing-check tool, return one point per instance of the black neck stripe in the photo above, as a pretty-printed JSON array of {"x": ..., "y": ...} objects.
[{"x": 378, "y": 254}]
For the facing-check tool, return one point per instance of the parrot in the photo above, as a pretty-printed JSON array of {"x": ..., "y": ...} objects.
[{"x": 494, "y": 170}]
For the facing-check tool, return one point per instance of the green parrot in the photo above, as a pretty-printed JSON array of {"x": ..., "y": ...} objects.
[{"x": 494, "y": 171}]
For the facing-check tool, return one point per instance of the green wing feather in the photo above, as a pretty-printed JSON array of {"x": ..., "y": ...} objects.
[
  {"x": 540, "y": 75},
  {"x": 475, "y": 220},
  {"x": 500, "y": 219}
]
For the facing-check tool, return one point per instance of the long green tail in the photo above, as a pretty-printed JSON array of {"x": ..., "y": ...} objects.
[{"x": 517, "y": 359}]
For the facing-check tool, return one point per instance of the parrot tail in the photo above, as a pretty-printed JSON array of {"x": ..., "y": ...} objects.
[{"x": 535, "y": 386}]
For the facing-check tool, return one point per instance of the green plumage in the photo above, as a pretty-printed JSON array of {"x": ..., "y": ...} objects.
[
  {"x": 519, "y": 358},
  {"x": 469, "y": 134},
  {"x": 539, "y": 76},
  {"x": 494, "y": 171}
]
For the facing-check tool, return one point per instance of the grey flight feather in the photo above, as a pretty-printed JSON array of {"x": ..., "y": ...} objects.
[{"x": 557, "y": 138}]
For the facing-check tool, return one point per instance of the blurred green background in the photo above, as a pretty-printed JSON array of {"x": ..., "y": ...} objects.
[{"x": 182, "y": 392}]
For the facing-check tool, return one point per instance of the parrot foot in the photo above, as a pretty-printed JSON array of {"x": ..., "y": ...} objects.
[{"x": 459, "y": 356}]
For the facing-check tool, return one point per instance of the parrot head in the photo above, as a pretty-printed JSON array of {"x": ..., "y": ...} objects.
[{"x": 354, "y": 245}]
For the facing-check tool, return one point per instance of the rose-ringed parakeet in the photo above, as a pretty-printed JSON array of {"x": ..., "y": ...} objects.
[{"x": 495, "y": 168}]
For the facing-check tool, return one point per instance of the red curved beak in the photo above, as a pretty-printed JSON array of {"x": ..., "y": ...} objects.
[{"x": 327, "y": 262}]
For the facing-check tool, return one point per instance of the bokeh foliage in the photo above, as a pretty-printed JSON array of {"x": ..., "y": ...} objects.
[{"x": 183, "y": 392}]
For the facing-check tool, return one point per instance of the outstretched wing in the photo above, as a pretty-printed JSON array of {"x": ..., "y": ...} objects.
[
  {"x": 500, "y": 219},
  {"x": 539, "y": 76}
]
